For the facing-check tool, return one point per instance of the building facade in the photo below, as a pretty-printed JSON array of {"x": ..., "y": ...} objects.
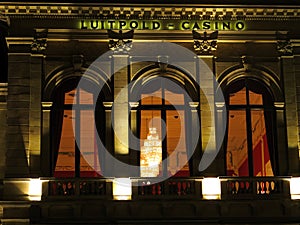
[{"x": 138, "y": 113}]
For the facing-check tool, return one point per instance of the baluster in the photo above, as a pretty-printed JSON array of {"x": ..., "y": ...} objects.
[
  {"x": 188, "y": 188},
  {"x": 158, "y": 189},
  {"x": 154, "y": 189},
  {"x": 272, "y": 187},
  {"x": 141, "y": 190},
  {"x": 178, "y": 188},
  {"x": 183, "y": 188},
  {"x": 232, "y": 188},
  {"x": 237, "y": 186},
  {"x": 247, "y": 187},
  {"x": 258, "y": 187},
  {"x": 267, "y": 184}
]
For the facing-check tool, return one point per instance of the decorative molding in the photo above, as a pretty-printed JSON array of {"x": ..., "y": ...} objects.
[
  {"x": 279, "y": 105},
  {"x": 77, "y": 61},
  {"x": 123, "y": 11},
  {"x": 47, "y": 104},
  {"x": 120, "y": 42},
  {"x": 3, "y": 94},
  {"x": 194, "y": 104},
  {"x": 247, "y": 63},
  {"x": 107, "y": 105},
  {"x": 39, "y": 43},
  {"x": 284, "y": 45},
  {"x": 134, "y": 104},
  {"x": 205, "y": 44},
  {"x": 220, "y": 105}
]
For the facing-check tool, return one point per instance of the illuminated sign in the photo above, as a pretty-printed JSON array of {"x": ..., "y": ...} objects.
[{"x": 161, "y": 25}]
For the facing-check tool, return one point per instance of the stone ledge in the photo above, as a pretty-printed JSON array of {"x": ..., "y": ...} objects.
[{"x": 151, "y": 12}]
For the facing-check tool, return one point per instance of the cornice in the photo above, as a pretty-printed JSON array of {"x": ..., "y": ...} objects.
[{"x": 41, "y": 10}]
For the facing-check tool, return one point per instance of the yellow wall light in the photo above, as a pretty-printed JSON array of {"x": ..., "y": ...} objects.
[
  {"x": 35, "y": 189},
  {"x": 211, "y": 188},
  {"x": 122, "y": 189},
  {"x": 295, "y": 188}
]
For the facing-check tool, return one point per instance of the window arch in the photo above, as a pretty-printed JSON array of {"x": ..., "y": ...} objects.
[
  {"x": 73, "y": 115},
  {"x": 163, "y": 127},
  {"x": 251, "y": 132}
]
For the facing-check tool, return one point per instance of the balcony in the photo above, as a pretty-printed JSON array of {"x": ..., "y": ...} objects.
[
  {"x": 265, "y": 199},
  {"x": 239, "y": 188}
]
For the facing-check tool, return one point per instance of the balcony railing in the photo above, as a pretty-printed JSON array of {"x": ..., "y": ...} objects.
[
  {"x": 173, "y": 188},
  {"x": 257, "y": 187},
  {"x": 180, "y": 188},
  {"x": 70, "y": 188}
]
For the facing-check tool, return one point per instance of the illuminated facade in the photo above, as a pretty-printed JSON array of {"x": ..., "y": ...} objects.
[{"x": 149, "y": 113}]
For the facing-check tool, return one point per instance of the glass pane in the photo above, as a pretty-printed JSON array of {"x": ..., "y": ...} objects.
[
  {"x": 151, "y": 143},
  {"x": 89, "y": 163},
  {"x": 65, "y": 164},
  {"x": 238, "y": 98},
  {"x": 70, "y": 97},
  {"x": 176, "y": 143},
  {"x": 237, "y": 154},
  {"x": 154, "y": 98},
  {"x": 255, "y": 99},
  {"x": 86, "y": 97},
  {"x": 261, "y": 156},
  {"x": 172, "y": 98}
]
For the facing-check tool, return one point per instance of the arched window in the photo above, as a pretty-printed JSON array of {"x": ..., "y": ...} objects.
[
  {"x": 251, "y": 132},
  {"x": 163, "y": 129},
  {"x": 74, "y": 142}
]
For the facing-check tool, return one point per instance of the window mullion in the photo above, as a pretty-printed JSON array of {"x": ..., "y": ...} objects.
[
  {"x": 77, "y": 135},
  {"x": 249, "y": 133}
]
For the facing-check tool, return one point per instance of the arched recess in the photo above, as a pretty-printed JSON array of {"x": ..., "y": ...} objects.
[
  {"x": 167, "y": 104},
  {"x": 255, "y": 81},
  {"x": 60, "y": 100}
]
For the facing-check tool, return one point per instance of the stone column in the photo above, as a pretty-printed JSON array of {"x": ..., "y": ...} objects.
[
  {"x": 45, "y": 140},
  {"x": 18, "y": 111},
  {"x": 193, "y": 141},
  {"x": 221, "y": 115},
  {"x": 207, "y": 111},
  {"x": 133, "y": 137},
  {"x": 3, "y": 125},
  {"x": 121, "y": 111},
  {"x": 106, "y": 166},
  {"x": 284, "y": 156},
  {"x": 291, "y": 82},
  {"x": 36, "y": 72}
]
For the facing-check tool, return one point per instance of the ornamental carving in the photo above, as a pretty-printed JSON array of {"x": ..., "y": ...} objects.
[
  {"x": 39, "y": 43},
  {"x": 205, "y": 44},
  {"x": 284, "y": 45},
  {"x": 120, "y": 42}
]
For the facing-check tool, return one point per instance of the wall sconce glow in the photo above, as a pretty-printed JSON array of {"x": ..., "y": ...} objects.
[
  {"x": 295, "y": 188},
  {"x": 35, "y": 190},
  {"x": 122, "y": 189},
  {"x": 211, "y": 188}
]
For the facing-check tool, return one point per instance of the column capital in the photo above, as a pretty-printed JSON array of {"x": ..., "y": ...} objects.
[
  {"x": 134, "y": 104},
  {"x": 47, "y": 104},
  {"x": 220, "y": 105},
  {"x": 107, "y": 105},
  {"x": 193, "y": 104},
  {"x": 279, "y": 105}
]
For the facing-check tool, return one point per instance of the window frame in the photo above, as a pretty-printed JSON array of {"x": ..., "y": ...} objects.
[{"x": 248, "y": 108}]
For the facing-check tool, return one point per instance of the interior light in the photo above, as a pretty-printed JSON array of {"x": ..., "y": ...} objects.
[
  {"x": 35, "y": 189},
  {"x": 295, "y": 188},
  {"x": 122, "y": 189},
  {"x": 211, "y": 188}
]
